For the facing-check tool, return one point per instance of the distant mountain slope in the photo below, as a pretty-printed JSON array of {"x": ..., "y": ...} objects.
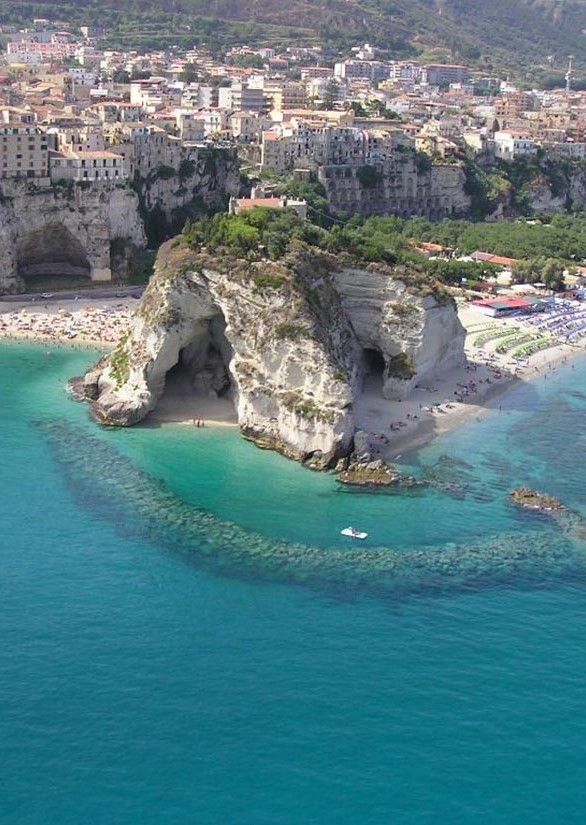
[{"x": 520, "y": 34}]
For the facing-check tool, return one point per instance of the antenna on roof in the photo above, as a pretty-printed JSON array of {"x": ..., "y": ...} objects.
[{"x": 569, "y": 74}]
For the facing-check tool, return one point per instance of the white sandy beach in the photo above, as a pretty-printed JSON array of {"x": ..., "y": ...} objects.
[
  {"x": 88, "y": 322},
  {"x": 456, "y": 398}
]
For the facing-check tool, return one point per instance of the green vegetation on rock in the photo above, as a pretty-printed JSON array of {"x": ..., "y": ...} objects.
[
  {"x": 401, "y": 366},
  {"x": 120, "y": 363},
  {"x": 293, "y": 332}
]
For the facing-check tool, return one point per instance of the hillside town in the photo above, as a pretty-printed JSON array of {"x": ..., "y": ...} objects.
[{"x": 72, "y": 111}]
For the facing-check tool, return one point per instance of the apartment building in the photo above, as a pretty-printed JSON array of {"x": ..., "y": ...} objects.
[
  {"x": 241, "y": 98},
  {"x": 316, "y": 143},
  {"x": 246, "y": 127},
  {"x": 371, "y": 70},
  {"x": 87, "y": 166},
  {"x": 440, "y": 74},
  {"x": 87, "y": 139},
  {"x": 24, "y": 151},
  {"x": 194, "y": 126}
]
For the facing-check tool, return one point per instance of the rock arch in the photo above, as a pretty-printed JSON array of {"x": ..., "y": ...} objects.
[{"x": 200, "y": 384}]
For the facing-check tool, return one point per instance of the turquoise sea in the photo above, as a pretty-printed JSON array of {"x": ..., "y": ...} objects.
[{"x": 186, "y": 638}]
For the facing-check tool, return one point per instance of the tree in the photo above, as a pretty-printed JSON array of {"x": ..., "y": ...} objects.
[
  {"x": 527, "y": 272},
  {"x": 189, "y": 74},
  {"x": 249, "y": 61},
  {"x": 331, "y": 92},
  {"x": 552, "y": 275},
  {"x": 548, "y": 271},
  {"x": 121, "y": 76}
]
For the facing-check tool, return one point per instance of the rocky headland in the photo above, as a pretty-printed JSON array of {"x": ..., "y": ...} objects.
[
  {"x": 47, "y": 229},
  {"x": 290, "y": 343}
]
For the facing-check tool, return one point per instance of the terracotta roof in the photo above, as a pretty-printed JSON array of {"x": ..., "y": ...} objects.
[
  {"x": 250, "y": 203},
  {"x": 489, "y": 258}
]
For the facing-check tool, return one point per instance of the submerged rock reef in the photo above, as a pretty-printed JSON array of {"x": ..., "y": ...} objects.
[
  {"x": 289, "y": 343},
  {"x": 117, "y": 490}
]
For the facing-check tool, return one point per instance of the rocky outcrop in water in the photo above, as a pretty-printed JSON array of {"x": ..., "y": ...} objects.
[
  {"x": 375, "y": 475},
  {"x": 530, "y": 499},
  {"x": 283, "y": 341}
]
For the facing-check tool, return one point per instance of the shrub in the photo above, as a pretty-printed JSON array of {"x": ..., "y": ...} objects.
[
  {"x": 264, "y": 282},
  {"x": 401, "y": 366},
  {"x": 186, "y": 169},
  {"x": 120, "y": 362},
  {"x": 165, "y": 172},
  {"x": 293, "y": 332},
  {"x": 367, "y": 176}
]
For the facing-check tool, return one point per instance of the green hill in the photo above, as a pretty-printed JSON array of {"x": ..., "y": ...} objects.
[{"x": 519, "y": 36}]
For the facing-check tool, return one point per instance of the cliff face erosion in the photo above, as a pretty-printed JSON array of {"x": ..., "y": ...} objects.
[
  {"x": 92, "y": 230},
  {"x": 65, "y": 230},
  {"x": 289, "y": 344}
]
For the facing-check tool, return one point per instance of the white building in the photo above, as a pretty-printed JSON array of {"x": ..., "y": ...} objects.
[
  {"x": 87, "y": 166},
  {"x": 510, "y": 143}
]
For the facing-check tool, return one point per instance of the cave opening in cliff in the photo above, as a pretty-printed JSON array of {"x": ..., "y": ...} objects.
[
  {"x": 373, "y": 368},
  {"x": 52, "y": 257},
  {"x": 200, "y": 386}
]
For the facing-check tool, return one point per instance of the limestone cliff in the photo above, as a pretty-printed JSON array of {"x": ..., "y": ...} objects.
[
  {"x": 197, "y": 180},
  {"x": 52, "y": 229},
  {"x": 527, "y": 186},
  {"x": 92, "y": 229},
  {"x": 274, "y": 338},
  {"x": 415, "y": 329},
  {"x": 285, "y": 341}
]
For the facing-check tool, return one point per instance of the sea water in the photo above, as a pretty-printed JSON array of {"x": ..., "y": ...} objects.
[{"x": 186, "y": 638}]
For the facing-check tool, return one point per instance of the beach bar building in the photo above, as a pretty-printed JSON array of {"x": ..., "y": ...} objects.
[{"x": 502, "y": 306}]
